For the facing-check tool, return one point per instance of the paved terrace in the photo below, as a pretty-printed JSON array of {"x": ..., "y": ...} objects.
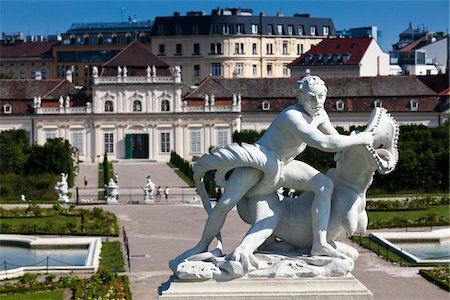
[{"x": 159, "y": 232}]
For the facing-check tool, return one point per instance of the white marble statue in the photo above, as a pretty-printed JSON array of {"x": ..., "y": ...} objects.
[
  {"x": 149, "y": 191},
  {"x": 62, "y": 188},
  {"x": 94, "y": 71},
  {"x": 111, "y": 192},
  {"x": 306, "y": 225}
]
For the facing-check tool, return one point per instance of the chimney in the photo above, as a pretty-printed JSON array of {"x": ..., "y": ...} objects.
[{"x": 69, "y": 75}]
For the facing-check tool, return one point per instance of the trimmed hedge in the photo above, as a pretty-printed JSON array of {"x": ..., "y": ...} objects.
[{"x": 439, "y": 276}]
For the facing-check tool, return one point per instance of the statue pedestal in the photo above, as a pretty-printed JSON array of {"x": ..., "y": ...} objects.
[
  {"x": 347, "y": 287},
  {"x": 148, "y": 199},
  {"x": 111, "y": 200}
]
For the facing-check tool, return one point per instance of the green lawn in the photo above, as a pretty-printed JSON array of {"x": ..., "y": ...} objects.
[
  {"x": 438, "y": 210},
  {"x": 51, "y": 295},
  {"x": 111, "y": 257},
  {"x": 42, "y": 221}
]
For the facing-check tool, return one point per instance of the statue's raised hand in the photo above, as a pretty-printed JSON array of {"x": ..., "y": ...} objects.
[{"x": 366, "y": 138}]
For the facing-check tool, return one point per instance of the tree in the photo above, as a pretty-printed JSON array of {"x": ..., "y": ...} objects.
[
  {"x": 56, "y": 156},
  {"x": 14, "y": 149}
]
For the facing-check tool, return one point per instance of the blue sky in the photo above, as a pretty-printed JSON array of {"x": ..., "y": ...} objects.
[{"x": 391, "y": 16}]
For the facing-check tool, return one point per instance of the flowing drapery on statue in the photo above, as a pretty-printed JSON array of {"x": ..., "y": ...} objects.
[{"x": 291, "y": 236}]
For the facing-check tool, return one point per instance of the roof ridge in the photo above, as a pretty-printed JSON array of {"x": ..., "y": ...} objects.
[{"x": 53, "y": 89}]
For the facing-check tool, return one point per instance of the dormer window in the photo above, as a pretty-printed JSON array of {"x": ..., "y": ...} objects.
[
  {"x": 7, "y": 109},
  {"x": 413, "y": 105},
  {"x": 377, "y": 103},
  {"x": 266, "y": 105},
  {"x": 313, "y": 30},
  {"x": 326, "y": 30},
  {"x": 340, "y": 106}
]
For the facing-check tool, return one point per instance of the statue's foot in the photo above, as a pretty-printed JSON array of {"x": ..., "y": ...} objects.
[
  {"x": 326, "y": 250},
  {"x": 183, "y": 256}
]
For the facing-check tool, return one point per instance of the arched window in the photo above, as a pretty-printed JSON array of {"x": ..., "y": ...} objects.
[
  {"x": 165, "y": 105},
  {"x": 109, "y": 106},
  {"x": 137, "y": 106}
]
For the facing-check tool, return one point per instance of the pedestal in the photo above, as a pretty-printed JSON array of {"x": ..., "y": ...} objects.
[
  {"x": 347, "y": 287},
  {"x": 148, "y": 199}
]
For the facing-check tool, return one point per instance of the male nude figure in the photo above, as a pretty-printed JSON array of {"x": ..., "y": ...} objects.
[{"x": 305, "y": 123}]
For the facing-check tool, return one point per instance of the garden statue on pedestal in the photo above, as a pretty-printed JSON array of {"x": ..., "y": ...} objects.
[
  {"x": 291, "y": 237},
  {"x": 62, "y": 188},
  {"x": 149, "y": 190},
  {"x": 112, "y": 192}
]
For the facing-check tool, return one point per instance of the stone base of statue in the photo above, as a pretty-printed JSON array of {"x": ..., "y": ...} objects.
[
  {"x": 346, "y": 287},
  {"x": 149, "y": 199},
  {"x": 111, "y": 200},
  {"x": 63, "y": 199}
]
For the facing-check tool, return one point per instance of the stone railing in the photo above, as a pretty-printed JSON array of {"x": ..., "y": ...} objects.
[
  {"x": 62, "y": 110},
  {"x": 221, "y": 108},
  {"x": 133, "y": 79}
]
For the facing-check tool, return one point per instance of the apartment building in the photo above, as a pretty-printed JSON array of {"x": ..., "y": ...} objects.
[
  {"x": 235, "y": 43},
  {"x": 88, "y": 45}
]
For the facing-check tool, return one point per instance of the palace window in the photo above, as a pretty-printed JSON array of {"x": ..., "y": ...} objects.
[
  {"x": 222, "y": 138},
  {"x": 50, "y": 136},
  {"x": 254, "y": 70},
  {"x": 77, "y": 141},
  {"x": 137, "y": 105},
  {"x": 265, "y": 105},
  {"x": 165, "y": 142},
  {"x": 299, "y": 49},
  {"x": 196, "y": 142},
  {"x": 108, "y": 139},
  {"x": 109, "y": 106}
]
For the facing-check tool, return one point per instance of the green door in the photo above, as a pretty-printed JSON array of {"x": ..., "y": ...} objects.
[{"x": 128, "y": 147}]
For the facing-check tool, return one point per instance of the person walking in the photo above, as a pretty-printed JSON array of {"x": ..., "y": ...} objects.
[
  {"x": 116, "y": 178},
  {"x": 158, "y": 193},
  {"x": 85, "y": 181},
  {"x": 166, "y": 193}
]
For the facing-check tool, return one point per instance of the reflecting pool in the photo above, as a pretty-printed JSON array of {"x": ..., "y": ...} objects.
[{"x": 20, "y": 256}]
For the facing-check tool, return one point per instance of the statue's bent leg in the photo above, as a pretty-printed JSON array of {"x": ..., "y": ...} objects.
[
  {"x": 239, "y": 183},
  {"x": 299, "y": 175},
  {"x": 266, "y": 213}
]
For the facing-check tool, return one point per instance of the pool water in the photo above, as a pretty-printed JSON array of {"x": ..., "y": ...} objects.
[
  {"x": 17, "y": 256},
  {"x": 427, "y": 250}
]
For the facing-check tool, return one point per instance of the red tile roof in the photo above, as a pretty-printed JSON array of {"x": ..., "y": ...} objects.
[
  {"x": 20, "y": 93},
  {"x": 335, "y": 51},
  {"x": 27, "y": 50},
  {"x": 136, "y": 57}
]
